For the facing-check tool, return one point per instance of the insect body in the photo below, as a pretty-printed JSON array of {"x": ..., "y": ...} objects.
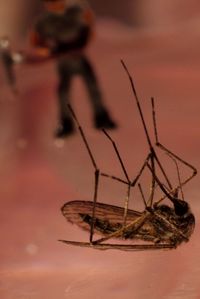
[{"x": 158, "y": 226}]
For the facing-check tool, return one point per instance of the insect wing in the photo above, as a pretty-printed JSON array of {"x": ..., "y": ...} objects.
[
  {"x": 128, "y": 247},
  {"x": 108, "y": 218}
]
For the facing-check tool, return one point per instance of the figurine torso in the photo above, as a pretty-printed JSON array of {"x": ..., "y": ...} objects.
[{"x": 63, "y": 32}]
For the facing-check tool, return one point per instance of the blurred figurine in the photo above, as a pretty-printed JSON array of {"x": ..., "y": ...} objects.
[
  {"x": 63, "y": 31},
  {"x": 8, "y": 59}
]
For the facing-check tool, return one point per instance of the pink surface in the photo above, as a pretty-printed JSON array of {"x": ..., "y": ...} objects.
[{"x": 39, "y": 175}]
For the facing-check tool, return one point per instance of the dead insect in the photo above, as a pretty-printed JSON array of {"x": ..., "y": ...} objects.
[{"x": 159, "y": 226}]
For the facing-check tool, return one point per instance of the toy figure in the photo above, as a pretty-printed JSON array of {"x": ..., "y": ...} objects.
[
  {"x": 8, "y": 61},
  {"x": 63, "y": 31}
]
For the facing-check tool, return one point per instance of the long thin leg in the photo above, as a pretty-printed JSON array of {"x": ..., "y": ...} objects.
[
  {"x": 141, "y": 170},
  {"x": 134, "y": 226},
  {"x": 118, "y": 154},
  {"x": 162, "y": 169},
  {"x": 166, "y": 149},
  {"x": 163, "y": 147},
  {"x": 83, "y": 137},
  {"x": 152, "y": 181},
  {"x": 150, "y": 156},
  {"x": 138, "y": 103},
  {"x": 96, "y": 171},
  {"x": 97, "y": 174},
  {"x": 94, "y": 204},
  {"x": 123, "y": 247},
  {"x": 142, "y": 194},
  {"x": 173, "y": 199},
  {"x": 178, "y": 174},
  {"x": 126, "y": 203},
  {"x": 167, "y": 194},
  {"x": 113, "y": 177},
  {"x": 194, "y": 170},
  {"x": 132, "y": 184},
  {"x": 89, "y": 150},
  {"x": 144, "y": 124},
  {"x": 170, "y": 153},
  {"x": 154, "y": 119}
]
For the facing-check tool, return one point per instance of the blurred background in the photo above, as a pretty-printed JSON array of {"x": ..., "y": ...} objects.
[
  {"x": 160, "y": 43},
  {"x": 17, "y": 16}
]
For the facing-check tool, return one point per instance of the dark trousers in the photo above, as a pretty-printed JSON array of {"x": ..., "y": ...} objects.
[{"x": 67, "y": 69}]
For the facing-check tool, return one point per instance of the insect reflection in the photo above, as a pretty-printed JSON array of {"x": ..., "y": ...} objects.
[{"x": 158, "y": 226}]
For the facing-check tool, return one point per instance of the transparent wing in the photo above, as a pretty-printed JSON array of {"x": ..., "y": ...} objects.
[{"x": 108, "y": 218}]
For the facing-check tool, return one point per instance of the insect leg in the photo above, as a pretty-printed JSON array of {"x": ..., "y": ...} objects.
[
  {"x": 96, "y": 173},
  {"x": 151, "y": 157},
  {"x": 145, "y": 126},
  {"x": 173, "y": 199},
  {"x": 135, "y": 180},
  {"x": 126, "y": 203},
  {"x": 123, "y": 247},
  {"x": 194, "y": 170},
  {"x": 89, "y": 150},
  {"x": 142, "y": 194},
  {"x": 134, "y": 226},
  {"x": 83, "y": 137},
  {"x": 113, "y": 177},
  {"x": 130, "y": 184},
  {"x": 161, "y": 185},
  {"x": 170, "y": 153},
  {"x": 118, "y": 154},
  {"x": 179, "y": 176}
]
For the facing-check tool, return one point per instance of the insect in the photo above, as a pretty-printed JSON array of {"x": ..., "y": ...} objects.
[{"x": 159, "y": 225}]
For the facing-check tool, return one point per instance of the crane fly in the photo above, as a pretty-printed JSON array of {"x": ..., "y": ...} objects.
[{"x": 159, "y": 225}]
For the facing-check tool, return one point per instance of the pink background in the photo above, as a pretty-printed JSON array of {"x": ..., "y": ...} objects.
[{"x": 38, "y": 174}]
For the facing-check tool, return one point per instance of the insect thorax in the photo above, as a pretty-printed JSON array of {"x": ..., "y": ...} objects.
[
  {"x": 184, "y": 224},
  {"x": 163, "y": 225}
]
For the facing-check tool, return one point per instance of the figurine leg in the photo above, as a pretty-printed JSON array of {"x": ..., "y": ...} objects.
[
  {"x": 66, "y": 125},
  {"x": 6, "y": 57},
  {"x": 102, "y": 118}
]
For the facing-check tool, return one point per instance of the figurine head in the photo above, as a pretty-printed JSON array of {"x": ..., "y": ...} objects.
[{"x": 54, "y": 5}]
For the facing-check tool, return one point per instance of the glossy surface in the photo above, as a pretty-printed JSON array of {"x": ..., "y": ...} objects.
[{"x": 40, "y": 174}]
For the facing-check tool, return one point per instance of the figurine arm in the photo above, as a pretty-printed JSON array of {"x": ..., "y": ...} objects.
[
  {"x": 40, "y": 49},
  {"x": 89, "y": 19}
]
